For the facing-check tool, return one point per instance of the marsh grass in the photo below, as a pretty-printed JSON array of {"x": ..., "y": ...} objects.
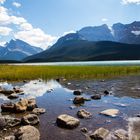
[{"x": 17, "y": 73}]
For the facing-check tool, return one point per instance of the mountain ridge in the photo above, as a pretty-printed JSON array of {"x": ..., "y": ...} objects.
[
  {"x": 95, "y": 40},
  {"x": 86, "y": 44},
  {"x": 17, "y": 50}
]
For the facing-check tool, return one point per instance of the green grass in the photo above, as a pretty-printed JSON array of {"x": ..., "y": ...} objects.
[{"x": 16, "y": 73}]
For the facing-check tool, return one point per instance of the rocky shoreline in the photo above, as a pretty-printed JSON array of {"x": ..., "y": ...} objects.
[{"x": 25, "y": 126}]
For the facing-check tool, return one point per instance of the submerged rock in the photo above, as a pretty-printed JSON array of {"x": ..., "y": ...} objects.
[
  {"x": 38, "y": 111},
  {"x": 7, "y": 92},
  {"x": 27, "y": 133},
  {"x": 100, "y": 134},
  {"x": 121, "y": 134},
  {"x": 72, "y": 107},
  {"x": 8, "y": 107},
  {"x": 17, "y": 90},
  {"x": 110, "y": 112},
  {"x": 67, "y": 121},
  {"x": 87, "y": 99},
  {"x": 13, "y": 96},
  {"x": 138, "y": 115},
  {"x": 84, "y": 114},
  {"x": 84, "y": 130},
  {"x": 106, "y": 92},
  {"x": 30, "y": 119},
  {"x": 79, "y": 100},
  {"x": 77, "y": 92},
  {"x": 96, "y": 97}
]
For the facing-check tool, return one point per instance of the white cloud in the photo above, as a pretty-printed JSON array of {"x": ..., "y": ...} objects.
[
  {"x": 4, "y": 31},
  {"x": 26, "y": 26},
  {"x": 135, "y": 32},
  {"x": 130, "y": 1},
  {"x": 2, "y": 1},
  {"x": 23, "y": 30},
  {"x": 5, "y": 18},
  {"x": 65, "y": 33},
  {"x": 17, "y": 20},
  {"x": 35, "y": 37},
  {"x": 16, "y": 4},
  {"x": 2, "y": 43},
  {"x": 104, "y": 19}
]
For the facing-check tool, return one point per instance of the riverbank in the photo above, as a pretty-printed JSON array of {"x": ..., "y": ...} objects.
[{"x": 18, "y": 73}]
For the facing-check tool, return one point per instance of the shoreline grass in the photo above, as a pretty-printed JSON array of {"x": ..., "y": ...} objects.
[{"x": 18, "y": 73}]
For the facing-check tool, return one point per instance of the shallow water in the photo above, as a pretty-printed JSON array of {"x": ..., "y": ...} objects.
[
  {"x": 86, "y": 63},
  {"x": 58, "y": 102}
]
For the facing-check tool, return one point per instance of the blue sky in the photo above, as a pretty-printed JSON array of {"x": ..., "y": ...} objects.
[{"x": 41, "y": 22}]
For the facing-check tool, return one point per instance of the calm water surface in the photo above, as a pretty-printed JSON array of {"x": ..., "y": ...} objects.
[
  {"x": 94, "y": 63},
  {"x": 58, "y": 102}
]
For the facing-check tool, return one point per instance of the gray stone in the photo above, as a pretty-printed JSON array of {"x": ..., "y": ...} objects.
[
  {"x": 6, "y": 92},
  {"x": 121, "y": 134},
  {"x": 106, "y": 92},
  {"x": 8, "y": 107},
  {"x": 13, "y": 96},
  {"x": 84, "y": 130},
  {"x": 77, "y": 92},
  {"x": 31, "y": 104},
  {"x": 17, "y": 90},
  {"x": 110, "y": 112},
  {"x": 10, "y": 138},
  {"x": 27, "y": 133},
  {"x": 38, "y": 111},
  {"x": 96, "y": 97},
  {"x": 79, "y": 100},
  {"x": 12, "y": 122},
  {"x": 2, "y": 122},
  {"x": 30, "y": 119},
  {"x": 134, "y": 128},
  {"x": 21, "y": 106},
  {"x": 67, "y": 121},
  {"x": 84, "y": 114},
  {"x": 100, "y": 134},
  {"x": 87, "y": 99}
]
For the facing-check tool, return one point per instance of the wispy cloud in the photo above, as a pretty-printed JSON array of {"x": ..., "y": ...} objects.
[
  {"x": 16, "y": 4},
  {"x": 2, "y": 43},
  {"x": 36, "y": 37},
  {"x": 5, "y": 31},
  {"x": 104, "y": 19},
  {"x": 131, "y": 2},
  {"x": 2, "y": 1},
  {"x": 19, "y": 28}
]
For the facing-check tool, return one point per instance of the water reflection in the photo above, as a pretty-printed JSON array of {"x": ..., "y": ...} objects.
[
  {"x": 35, "y": 88},
  {"x": 60, "y": 100},
  {"x": 38, "y": 88}
]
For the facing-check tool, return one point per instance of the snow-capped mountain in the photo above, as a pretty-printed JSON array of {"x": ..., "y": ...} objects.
[
  {"x": 17, "y": 50},
  {"x": 123, "y": 33},
  {"x": 119, "y": 42}
]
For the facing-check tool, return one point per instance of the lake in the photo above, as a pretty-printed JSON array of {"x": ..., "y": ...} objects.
[{"x": 86, "y": 63}]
